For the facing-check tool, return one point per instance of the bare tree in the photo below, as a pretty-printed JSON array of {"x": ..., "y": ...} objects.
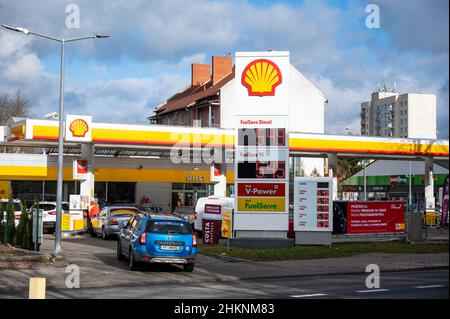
[{"x": 13, "y": 106}]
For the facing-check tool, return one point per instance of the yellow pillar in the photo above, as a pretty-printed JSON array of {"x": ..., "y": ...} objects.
[{"x": 37, "y": 288}]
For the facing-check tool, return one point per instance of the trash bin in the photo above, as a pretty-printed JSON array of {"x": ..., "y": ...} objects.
[{"x": 414, "y": 225}]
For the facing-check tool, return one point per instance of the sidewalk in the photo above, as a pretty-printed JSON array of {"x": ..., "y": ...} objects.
[{"x": 101, "y": 269}]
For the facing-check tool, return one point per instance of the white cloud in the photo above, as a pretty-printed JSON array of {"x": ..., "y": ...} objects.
[
  {"x": 26, "y": 67},
  {"x": 329, "y": 44}
]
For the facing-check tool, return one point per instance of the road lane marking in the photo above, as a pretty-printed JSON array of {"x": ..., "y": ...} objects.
[
  {"x": 430, "y": 286},
  {"x": 372, "y": 290},
  {"x": 307, "y": 296}
]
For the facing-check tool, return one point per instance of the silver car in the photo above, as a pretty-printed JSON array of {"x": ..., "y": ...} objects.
[{"x": 110, "y": 219}]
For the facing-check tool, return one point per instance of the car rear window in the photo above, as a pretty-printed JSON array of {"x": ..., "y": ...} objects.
[
  {"x": 168, "y": 227},
  {"x": 123, "y": 212}
]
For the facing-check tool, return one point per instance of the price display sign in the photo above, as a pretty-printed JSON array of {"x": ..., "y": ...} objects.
[
  {"x": 262, "y": 137},
  {"x": 313, "y": 204},
  {"x": 262, "y": 160},
  {"x": 262, "y": 170}
]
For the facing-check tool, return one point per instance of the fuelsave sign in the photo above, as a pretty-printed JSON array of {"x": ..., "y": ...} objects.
[{"x": 256, "y": 204}]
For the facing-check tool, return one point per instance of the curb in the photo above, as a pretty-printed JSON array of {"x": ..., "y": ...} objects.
[
  {"x": 227, "y": 258},
  {"x": 345, "y": 273},
  {"x": 38, "y": 258},
  {"x": 31, "y": 256}
]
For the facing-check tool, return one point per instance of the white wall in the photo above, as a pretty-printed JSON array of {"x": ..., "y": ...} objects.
[
  {"x": 306, "y": 105},
  {"x": 159, "y": 194},
  {"x": 422, "y": 116}
]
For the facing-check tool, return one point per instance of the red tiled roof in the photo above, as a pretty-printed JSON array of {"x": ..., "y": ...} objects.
[{"x": 191, "y": 95}]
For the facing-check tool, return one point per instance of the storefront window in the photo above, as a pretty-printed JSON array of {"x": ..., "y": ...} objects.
[
  {"x": 100, "y": 192},
  {"x": 50, "y": 191},
  {"x": 27, "y": 191},
  {"x": 121, "y": 193},
  {"x": 186, "y": 195},
  {"x": 177, "y": 186},
  {"x": 30, "y": 191}
]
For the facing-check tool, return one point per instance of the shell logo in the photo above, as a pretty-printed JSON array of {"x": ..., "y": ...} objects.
[
  {"x": 79, "y": 128},
  {"x": 261, "y": 77}
]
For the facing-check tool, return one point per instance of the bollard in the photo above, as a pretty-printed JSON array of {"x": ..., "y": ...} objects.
[{"x": 37, "y": 288}]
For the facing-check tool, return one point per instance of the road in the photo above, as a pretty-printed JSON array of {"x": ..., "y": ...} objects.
[
  {"x": 102, "y": 276},
  {"x": 421, "y": 284}
]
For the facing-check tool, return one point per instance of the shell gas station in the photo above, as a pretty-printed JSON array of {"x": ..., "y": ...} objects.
[{"x": 167, "y": 166}]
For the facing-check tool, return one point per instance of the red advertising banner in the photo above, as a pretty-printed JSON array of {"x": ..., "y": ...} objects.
[
  {"x": 375, "y": 217},
  {"x": 261, "y": 189}
]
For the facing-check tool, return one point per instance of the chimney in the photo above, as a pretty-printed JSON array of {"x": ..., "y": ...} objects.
[
  {"x": 200, "y": 74},
  {"x": 221, "y": 67}
]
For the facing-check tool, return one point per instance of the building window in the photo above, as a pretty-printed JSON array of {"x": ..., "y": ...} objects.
[
  {"x": 30, "y": 191},
  {"x": 121, "y": 193},
  {"x": 213, "y": 119}
]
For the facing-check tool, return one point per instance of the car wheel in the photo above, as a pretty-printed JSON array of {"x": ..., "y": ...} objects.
[
  {"x": 133, "y": 264},
  {"x": 104, "y": 235},
  {"x": 92, "y": 232},
  {"x": 120, "y": 256},
  {"x": 188, "y": 267}
]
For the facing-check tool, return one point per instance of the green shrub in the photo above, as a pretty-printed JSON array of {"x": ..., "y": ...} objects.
[
  {"x": 24, "y": 231},
  {"x": 10, "y": 223},
  {"x": 2, "y": 231}
]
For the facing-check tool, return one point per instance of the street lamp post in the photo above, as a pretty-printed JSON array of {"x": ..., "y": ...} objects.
[{"x": 62, "y": 41}]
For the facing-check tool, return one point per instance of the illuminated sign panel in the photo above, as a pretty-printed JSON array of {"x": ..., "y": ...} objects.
[
  {"x": 261, "y": 77},
  {"x": 78, "y": 128},
  {"x": 313, "y": 204}
]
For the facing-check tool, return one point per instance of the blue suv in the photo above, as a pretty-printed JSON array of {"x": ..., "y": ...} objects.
[{"x": 157, "y": 239}]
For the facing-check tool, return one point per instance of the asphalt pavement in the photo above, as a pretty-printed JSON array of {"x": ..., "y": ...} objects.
[
  {"x": 423, "y": 284},
  {"x": 103, "y": 276}
]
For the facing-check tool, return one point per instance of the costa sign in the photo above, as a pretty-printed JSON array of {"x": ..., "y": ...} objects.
[
  {"x": 261, "y": 77},
  {"x": 261, "y": 189}
]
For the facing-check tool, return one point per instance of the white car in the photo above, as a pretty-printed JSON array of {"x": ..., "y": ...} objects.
[
  {"x": 49, "y": 214},
  {"x": 17, "y": 209},
  {"x": 225, "y": 202}
]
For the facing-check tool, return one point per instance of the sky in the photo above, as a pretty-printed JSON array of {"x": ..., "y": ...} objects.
[{"x": 147, "y": 58}]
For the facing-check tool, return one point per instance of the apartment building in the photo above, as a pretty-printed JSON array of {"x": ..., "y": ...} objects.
[{"x": 409, "y": 115}]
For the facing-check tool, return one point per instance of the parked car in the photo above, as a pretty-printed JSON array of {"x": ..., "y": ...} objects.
[
  {"x": 49, "y": 214},
  {"x": 226, "y": 202},
  {"x": 187, "y": 213},
  {"x": 17, "y": 209},
  {"x": 109, "y": 220},
  {"x": 157, "y": 239}
]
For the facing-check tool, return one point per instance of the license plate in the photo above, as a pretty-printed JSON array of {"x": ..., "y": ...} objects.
[{"x": 164, "y": 247}]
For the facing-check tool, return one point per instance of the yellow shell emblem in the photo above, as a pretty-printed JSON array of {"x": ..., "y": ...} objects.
[
  {"x": 261, "y": 77},
  {"x": 79, "y": 128}
]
